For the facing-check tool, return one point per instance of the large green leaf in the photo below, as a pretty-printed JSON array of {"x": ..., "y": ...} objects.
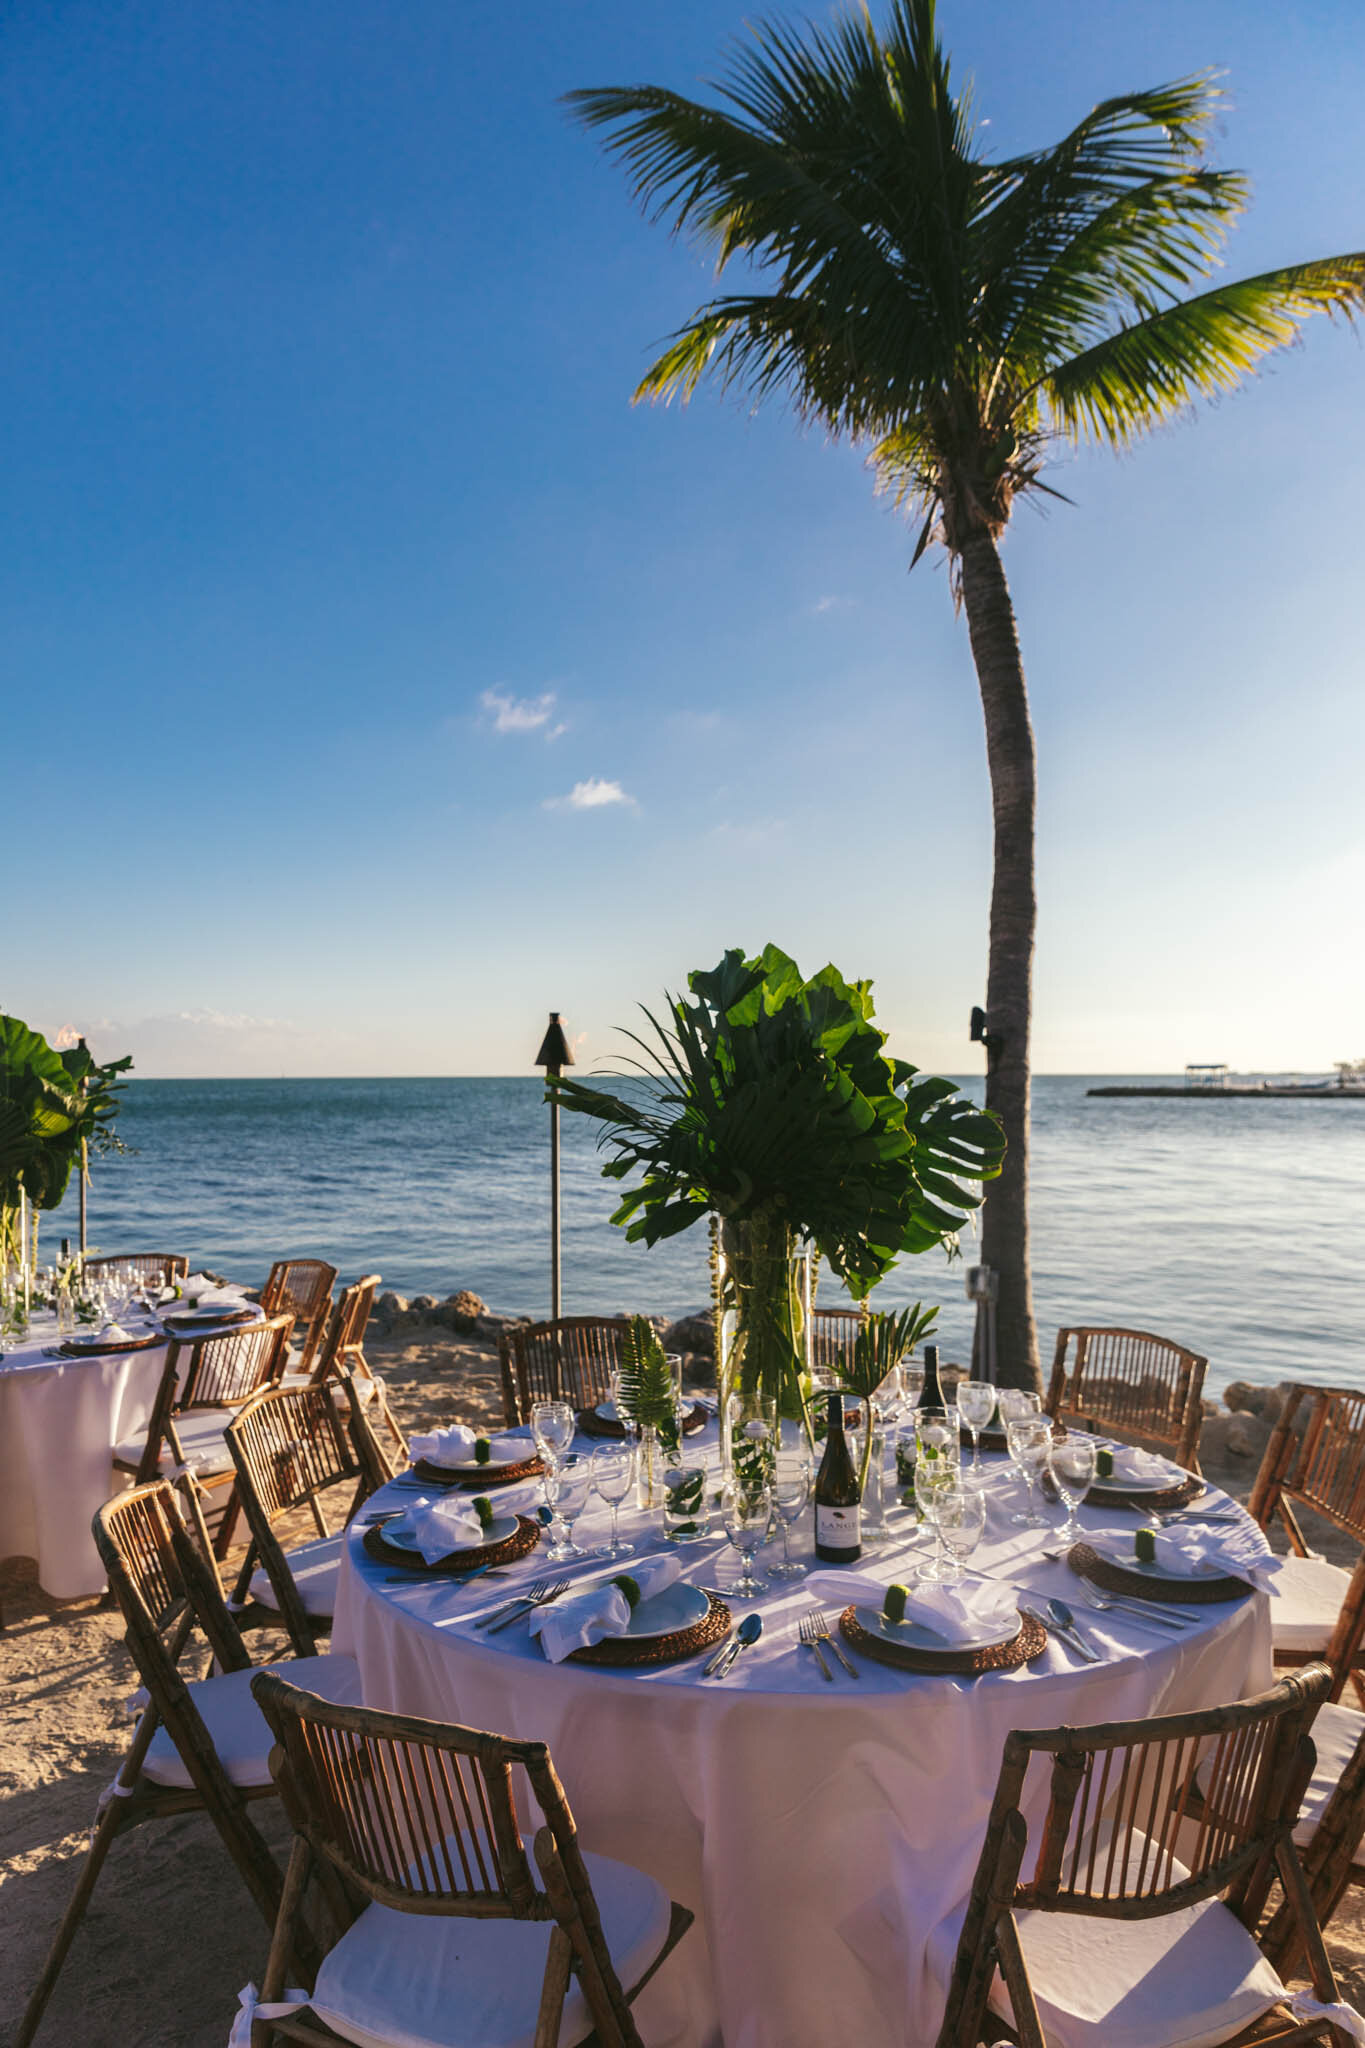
[{"x": 50, "y": 1103}]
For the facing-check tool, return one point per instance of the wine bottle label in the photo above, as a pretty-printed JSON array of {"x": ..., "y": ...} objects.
[{"x": 838, "y": 1528}]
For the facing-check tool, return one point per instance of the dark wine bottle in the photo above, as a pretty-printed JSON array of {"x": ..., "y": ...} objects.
[
  {"x": 931, "y": 1394},
  {"x": 838, "y": 1496}
]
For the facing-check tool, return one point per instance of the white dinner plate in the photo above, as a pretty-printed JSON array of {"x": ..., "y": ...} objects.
[
  {"x": 472, "y": 1469},
  {"x": 1161, "y": 1483},
  {"x": 678, "y": 1606},
  {"x": 1129, "y": 1563},
  {"x": 498, "y": 1531},
  {"x": 915, "y": 1635}
]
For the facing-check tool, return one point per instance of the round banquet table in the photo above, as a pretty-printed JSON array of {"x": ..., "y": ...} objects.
[
  {"x": 59, "y": 1421},
  {"x": 818, "y": 1831}
]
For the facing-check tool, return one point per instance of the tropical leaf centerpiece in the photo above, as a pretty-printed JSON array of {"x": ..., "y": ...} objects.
[
  {"x": 881, "y": 1343},
  {"x": 769, "y": 1099},
  {"x": 55, "y": 1106}
]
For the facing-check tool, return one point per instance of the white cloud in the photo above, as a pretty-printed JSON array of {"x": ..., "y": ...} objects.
[
  {"x": 521, "y": 714},
  {"x": 591, "y": 795},
  {"x": 830, "y": 604}
]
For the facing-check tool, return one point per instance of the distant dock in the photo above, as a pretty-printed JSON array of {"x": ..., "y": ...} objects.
[{"x": 1227, "y": 1092}]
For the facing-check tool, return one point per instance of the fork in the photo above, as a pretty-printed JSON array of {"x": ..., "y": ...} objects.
[
  {"x": 810, "y": 1641},
  {"x": 818, "y": 1624},
  {"x": 1164, "y": 1617},
  {"x": 537, "y": 1595}
]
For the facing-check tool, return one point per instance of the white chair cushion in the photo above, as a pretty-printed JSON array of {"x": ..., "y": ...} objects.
[
  {"x": 201, "y": 1437},
  {"x": 1305, "y": 1600},
  {"x": 1187, "y": 1980},
  {"x": 314, "y": 1567},
  {"x": 412, "y": 1980},
  {"x": 241, "y": 1734},
  {"x": 1335, "y": 1733}
]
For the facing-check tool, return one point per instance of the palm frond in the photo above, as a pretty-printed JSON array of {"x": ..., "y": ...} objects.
[
  {"x": 880, "y": 1345},
  {"x": 1158, "y": 367}
]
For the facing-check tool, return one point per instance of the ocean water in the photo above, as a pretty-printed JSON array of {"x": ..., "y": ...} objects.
[{"x": 1237, "y": 1226}]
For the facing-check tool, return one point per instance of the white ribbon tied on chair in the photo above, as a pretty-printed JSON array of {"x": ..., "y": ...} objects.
[
  {"x": 1305, "y": 2006},
  {"x": 249, "y": 2008}
]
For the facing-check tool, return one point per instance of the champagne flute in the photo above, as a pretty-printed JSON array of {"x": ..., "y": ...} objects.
[
  {"x": 613, "y": 1474},
  {"x": 1029, "y": 1439},
  {"x": 1071, "y": 1461},
  {"x": 933, "y": 1479},
  {"x": 790, "y": 1490},
  {"x": 746, "y": 1511},
  {"x": 976, "y": 1405},
  {"x": 959, "y": 1519}
]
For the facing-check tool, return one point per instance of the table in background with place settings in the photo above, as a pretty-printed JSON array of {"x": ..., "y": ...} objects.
[
  {"x": 60, "y": 1418},
  {"x": 820, "y": 1832}
]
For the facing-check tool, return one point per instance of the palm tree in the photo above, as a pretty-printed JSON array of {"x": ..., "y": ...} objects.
[{"x": 963, "y": 318}]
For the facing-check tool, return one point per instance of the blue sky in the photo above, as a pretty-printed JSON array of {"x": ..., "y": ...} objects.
[{"x": 334, "y": 561}]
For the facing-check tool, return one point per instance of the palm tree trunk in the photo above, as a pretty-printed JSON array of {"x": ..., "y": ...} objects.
[{"x": 1009, "y": 987}]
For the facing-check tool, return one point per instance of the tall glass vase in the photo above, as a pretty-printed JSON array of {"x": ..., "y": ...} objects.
[{"x": 763, "y": 1283}]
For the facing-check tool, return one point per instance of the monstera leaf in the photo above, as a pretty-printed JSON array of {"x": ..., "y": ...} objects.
[
  {"x": 50, "y": 1102},
  {"x": 765, "y": 1093}
]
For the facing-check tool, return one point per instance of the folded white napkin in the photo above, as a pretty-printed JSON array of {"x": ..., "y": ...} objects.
[
  {"x": 439, "y": 1526},
  {"x": 601, "y": 1609},
  {"x": 455, "y": 1446},
  {"x": 116, "y": 1333},
  {"x": 1136, "y": 1466},
  {"x": 968, "y": 1613},
  {"x": 1190, "y": 1552}
]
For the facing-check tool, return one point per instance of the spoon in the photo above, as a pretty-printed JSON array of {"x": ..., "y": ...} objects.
[
  {"x": 1065, "y": 1621},
  {"x": 749, "y": 1631}
]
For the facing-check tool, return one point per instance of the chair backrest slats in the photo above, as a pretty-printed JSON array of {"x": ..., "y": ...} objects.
[
  {"x": 137, "y": 1265},
  {"x": 302, "y": 1288},
  {"x": 832, "y": 1330},
  {"x": 1131, "y": 1381},
  {"x": 224, "y": 1370},
  {"x": 569, "y": 1359}
]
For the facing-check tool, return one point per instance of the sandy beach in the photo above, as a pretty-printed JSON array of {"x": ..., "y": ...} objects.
[{"x": 170, "y": 1936}]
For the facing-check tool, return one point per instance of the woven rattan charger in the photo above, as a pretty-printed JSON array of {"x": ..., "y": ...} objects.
[
  {"x": 1113, "y": 1578},
  {"x": 620, "y": 1652},
  {"x": 482, "y": 1480},
  {"x": 195, "y": 1325},
  {"x": 520, "y": 1543},
  {"x": 93, "y": 1346},
  {"x": 593, "y": 1424},
  {"x": 1111, "y": 1494},
  {"x": 1030, "y": 1642}
]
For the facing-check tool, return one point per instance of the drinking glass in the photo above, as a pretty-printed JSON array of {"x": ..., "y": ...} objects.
[
  {"x": 976, "y": 1405},
  {"x": 790, "y": 1491},
  {"x": 959, "y": 1514},
  {"x": 567, "y": 1486},
  {"x": 912, "y": 1380},
  {"x": 686, "y": 1512},
  {"x": 673, "y": 1360},
  {"x": 613, "y": 1474},
  {"x": 1018, "y": 1403},
  {"x": 933, "y": 1479},
  {"x": 552, "y": 1426},
  {"x": 1071, "y": 1461},
  {"x": 746, "y": 1511},
  {"x": 1029, "y": 1440}
]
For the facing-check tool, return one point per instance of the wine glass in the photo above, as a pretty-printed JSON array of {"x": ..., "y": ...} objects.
[
  {"x": 613, "y": 1474},
  {"x": 1071, "y": 1461},
  {"x": 746, "y": 1511},
  {"x": 791, "y": 1486},
  {"x": 552, "y": 1426},
  {"x": 568, "y": 1483},
  {"x": 976, "y": 1405},
  {"x": 1018, "y": 1403},
  {"x": 933, "y": 1478},
  {"x": 959, "y": 1515},
  {"x": 912, "y": 1380},
  {"x": 1029, "y": 1439}
]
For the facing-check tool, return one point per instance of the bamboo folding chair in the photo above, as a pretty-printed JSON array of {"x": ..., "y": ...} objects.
[
  {"x": 569, "y": 1359},
  {"x": 1315, "y": 1459},
  {"x": 137, "y": 1266},
  {"x": 832, "y": 1330},
  {"x": 303, "y": 1289},
  {"x": 203, "y": 1381},
  {"x": 1133, "y": 1383},
  {"x": 380, "y": 1459},
  {"x": 290, "y": 1448},
  {"x": 411, "y": 1829},
  {"x": 199, "y": 1747},
  {"x": 1125, "y": 1843}
]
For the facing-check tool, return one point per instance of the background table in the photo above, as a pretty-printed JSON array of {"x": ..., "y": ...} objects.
[
  {"x": 818, "y": 1831},
  {"x": 59, "y": 1421}
]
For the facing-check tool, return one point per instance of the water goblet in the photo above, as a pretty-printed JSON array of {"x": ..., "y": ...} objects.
[
  {"x": 746, "y": 1511},
  {"x": 959, "y": 1519},
  {"x": 933, "y": 1479},
  {"x": 912, "y": 1380},
  {"x": 568, "y": 1483},
  {"x": 790, "y": 1490},
  {"x": 976, "y": 1405},
  {"x": 1018, "y": 1403},
  {"x": 1071, "y": 1461},
  {"x": 1029, "y": 1439},
  {"x": 552, "y": 1426},
  {"x": 613, "y": 1474}
]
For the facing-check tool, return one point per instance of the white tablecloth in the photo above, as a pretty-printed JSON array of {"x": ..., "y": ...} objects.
[
  {"x": 59, "y": 1421},
  {"x": 818, "y": 1831}
]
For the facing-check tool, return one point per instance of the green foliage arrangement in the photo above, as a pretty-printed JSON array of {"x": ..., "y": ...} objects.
[
  {"x": 644, "y": 1381},
  {"x": 880, "y": 1345},
  {"x": 770, "y": 1097},
  {"x": 52, "y": 1103}
]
